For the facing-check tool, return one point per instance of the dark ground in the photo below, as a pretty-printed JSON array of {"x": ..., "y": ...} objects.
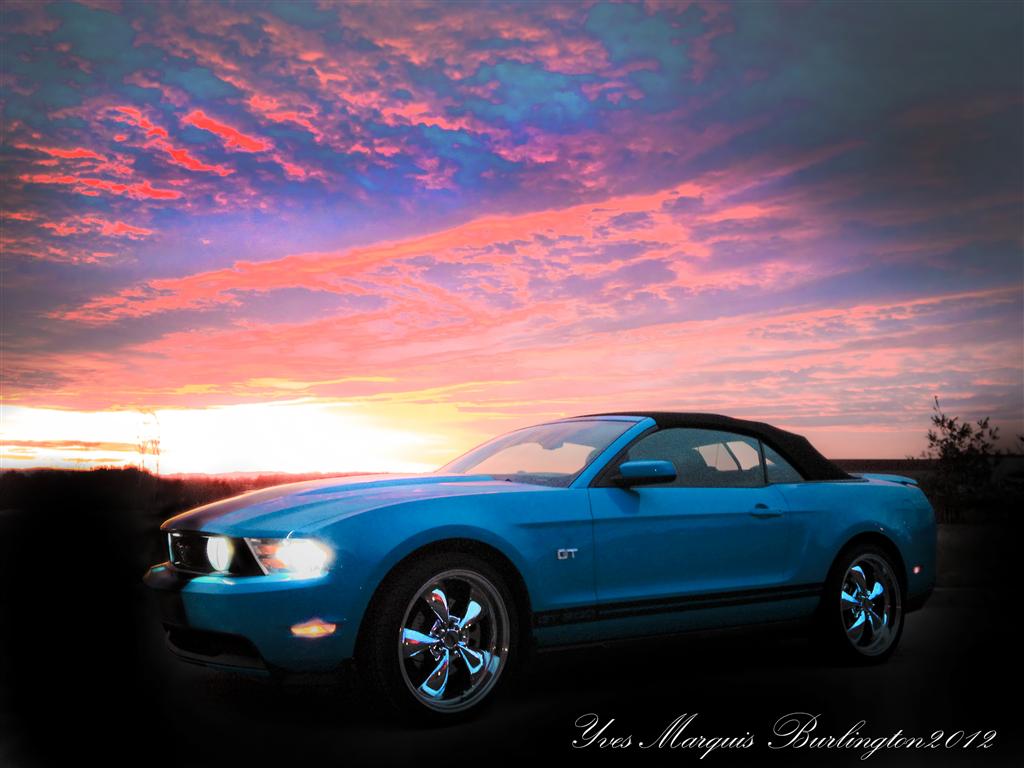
[{"x": 86, "y": 678}]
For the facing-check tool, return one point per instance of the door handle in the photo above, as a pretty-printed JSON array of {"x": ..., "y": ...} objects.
[{"x": 763, "y": 511}]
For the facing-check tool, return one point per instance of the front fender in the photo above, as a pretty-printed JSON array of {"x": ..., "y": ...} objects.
[
  {"x": 527, "y": 529},
  {"x": 443, "y": 533}
]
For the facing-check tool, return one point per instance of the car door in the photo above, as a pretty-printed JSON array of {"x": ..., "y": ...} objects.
[{"x": 718, "y": 528}]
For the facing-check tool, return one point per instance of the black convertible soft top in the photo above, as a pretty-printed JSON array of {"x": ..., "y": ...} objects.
[{"x": 796, "y": 449}]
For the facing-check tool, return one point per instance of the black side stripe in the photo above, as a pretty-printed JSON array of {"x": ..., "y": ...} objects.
[{"x": 674, "y": 604}]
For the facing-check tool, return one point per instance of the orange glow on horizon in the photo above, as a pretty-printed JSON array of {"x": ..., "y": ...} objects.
[
  {"x": 301, "y": 436},
  {"x": 291, "y": 436}
]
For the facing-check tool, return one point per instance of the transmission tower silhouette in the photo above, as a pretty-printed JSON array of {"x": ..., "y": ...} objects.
[{"x": 149, "y": 442}]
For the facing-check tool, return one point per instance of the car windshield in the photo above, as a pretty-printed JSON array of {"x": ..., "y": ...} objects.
[{"x": 548, "y": 454}]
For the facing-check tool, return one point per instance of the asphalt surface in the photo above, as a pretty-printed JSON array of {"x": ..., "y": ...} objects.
[{"x": 956, "y": 670}]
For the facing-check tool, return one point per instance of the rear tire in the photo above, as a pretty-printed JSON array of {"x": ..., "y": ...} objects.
[
  {"x": 442, "y": 635},
  {"x": 861, "y": 614}
]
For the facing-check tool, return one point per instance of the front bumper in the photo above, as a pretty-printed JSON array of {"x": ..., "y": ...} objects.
[{"x": 245, "y": 622}]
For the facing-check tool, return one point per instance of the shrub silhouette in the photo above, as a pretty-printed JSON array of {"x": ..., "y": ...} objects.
[{"x": 965, "y": 458}]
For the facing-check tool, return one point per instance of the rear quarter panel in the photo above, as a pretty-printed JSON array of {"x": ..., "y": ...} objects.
[{"x": 837, "y": 511}]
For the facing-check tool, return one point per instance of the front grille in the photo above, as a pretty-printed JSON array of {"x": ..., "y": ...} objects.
[{"x": 188, "y": 553}]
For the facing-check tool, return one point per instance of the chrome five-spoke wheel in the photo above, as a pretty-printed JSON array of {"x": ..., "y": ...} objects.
[
  {"x": 870, "y": 607},
  {"x": 454, "y": 640}
]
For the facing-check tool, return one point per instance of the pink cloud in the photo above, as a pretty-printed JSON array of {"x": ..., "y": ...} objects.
[
  {"x": 185, "y": 159},
  {"x": 93, "y": 186},
  {"x": 98, "y": 225},
  {"x": 232, "y": 137}
]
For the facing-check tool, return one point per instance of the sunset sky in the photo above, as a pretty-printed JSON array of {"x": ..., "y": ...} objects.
[{"x": 345, "y": 237}]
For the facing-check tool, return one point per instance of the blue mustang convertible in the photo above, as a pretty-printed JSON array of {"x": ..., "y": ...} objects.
[{"x": 586, "y": 529}]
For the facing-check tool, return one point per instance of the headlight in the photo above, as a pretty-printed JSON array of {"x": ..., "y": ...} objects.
[
  {"x": 219, "y": 551},
  {"x": 304, "y": 558}
]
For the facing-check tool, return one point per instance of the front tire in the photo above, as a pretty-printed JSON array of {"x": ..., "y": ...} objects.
[
  {"x": 861, "y": 613},
  {"x": 442, "y": 636}
]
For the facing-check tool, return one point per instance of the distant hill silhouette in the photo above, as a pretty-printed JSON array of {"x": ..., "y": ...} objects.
[{"x": 131, "y": 488}]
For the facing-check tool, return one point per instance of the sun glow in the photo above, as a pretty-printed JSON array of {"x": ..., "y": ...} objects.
[{"x": 286, "y": 436}]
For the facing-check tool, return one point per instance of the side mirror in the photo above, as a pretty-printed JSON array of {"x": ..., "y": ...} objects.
[{"x": 645, "y": 473}]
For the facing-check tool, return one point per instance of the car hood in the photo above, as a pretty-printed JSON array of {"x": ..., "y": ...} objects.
[{"x": 283, "y": 509}]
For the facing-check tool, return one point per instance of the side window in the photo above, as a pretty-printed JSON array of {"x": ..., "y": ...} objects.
[
  {"x": 703, "y": 458},
  {"x": 778, "y": 469}
]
